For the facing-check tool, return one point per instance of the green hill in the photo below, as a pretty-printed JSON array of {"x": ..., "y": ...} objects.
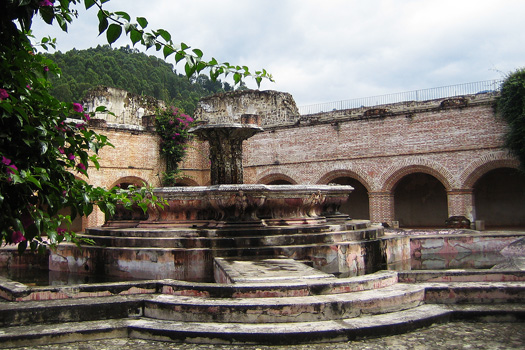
[{"x": 131, "y": 70}]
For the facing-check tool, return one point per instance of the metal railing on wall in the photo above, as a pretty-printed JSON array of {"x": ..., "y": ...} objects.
[{"x": 416, "y": 95}]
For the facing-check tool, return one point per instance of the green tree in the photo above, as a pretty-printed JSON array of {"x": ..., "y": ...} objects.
[
  {"x": 128, "y": 69},
  {"x": 511, "y": 106},
  {"x": 40, "y": 151}
]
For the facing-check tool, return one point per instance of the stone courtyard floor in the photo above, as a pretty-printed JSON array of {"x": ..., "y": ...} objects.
[{"x": 453, "y": 335}]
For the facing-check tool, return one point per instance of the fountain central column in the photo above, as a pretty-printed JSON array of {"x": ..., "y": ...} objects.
[{"x": 226, "y": 149}]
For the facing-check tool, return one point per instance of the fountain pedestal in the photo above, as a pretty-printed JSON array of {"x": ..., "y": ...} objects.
[{"x": 226, "y": 149}]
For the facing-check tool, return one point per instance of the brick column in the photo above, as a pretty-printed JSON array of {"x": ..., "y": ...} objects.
[
  {"x": 461, "y": 203},
  {"x": 381, "y": 206},
  {"x": 96, "y": 218}
]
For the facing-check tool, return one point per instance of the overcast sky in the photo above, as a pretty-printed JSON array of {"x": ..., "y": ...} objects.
[{"x": 331, "y": 50}]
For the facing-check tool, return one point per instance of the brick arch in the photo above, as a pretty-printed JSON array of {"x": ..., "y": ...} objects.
[
  {"x": 395, "y": 173},
  {"x": 483, "y": 165},
  {"x": 325, "y": 179},
  {"x": 135, "y": 180},
  {"x": 275, "y": 177},
  {"x": 186, "y": 181}
]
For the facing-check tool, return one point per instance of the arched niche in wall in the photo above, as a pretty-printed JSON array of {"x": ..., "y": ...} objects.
[
  {"x": 420, "y": 200},
  {"x": 357, "y": 206},
  {"x": 186, "y": 181},
  {"x": 499, "y": 198},
  {"x": 277, "y": 179},
  {"x": 125, "y": 182}
]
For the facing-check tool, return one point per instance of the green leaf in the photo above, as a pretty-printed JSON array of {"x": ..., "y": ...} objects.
[
  {"x": 237, "y": 78},
  {"x": 179, "y": 56},
  {"x": 123, "y": 15},
  {"x": 102, "y": 22},
  {"x": 135, "y": 36},
  {"x": 189, "y": 69},
  {"x": 198, "y": 52},
  {"x": 113, "y": 33},
  {"x": 62, "y": 23},
  {"x": 164, "y": 34},
  {"x": 167, "y": 50},
  {"x": 34, "y": 181},
  {"x": 200, "y": 66},
  {"x": 89, "y": 3},
  {"x": 47, "y": 14},
  {"x": 142, "y": 21}
]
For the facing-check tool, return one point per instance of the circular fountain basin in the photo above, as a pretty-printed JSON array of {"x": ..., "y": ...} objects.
[{"x": 242, "y": 204}]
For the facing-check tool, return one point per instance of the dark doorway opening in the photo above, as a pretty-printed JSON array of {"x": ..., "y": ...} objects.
[{"x": 420, "y": 200}]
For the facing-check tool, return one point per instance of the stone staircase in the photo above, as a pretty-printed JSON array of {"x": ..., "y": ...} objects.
[
  {"x": 279, "y": 312},
  {"x": 275, "y": 299}
]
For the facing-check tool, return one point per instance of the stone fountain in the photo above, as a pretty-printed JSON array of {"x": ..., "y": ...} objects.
[
  {"x": 228, "y": 218},
  {"x": 272, "y": 253}
]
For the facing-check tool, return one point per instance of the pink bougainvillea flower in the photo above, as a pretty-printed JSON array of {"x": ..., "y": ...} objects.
[
  {"x": 17, "y": 237},
  {"x": 61, "y": 150},
  {"x": 61, "y": 231},
  {"x": 3, "y": 94},
  {"x": 45, "y": 3},
  {"x": 87, "y": 117},
  {"x": 81, "y": 166},
  {"x": 46, "y": 69},
  {"x": 71, "y": 156},
  {"x": 77, "y": 107},
  {"x": 6, "y": 161}
]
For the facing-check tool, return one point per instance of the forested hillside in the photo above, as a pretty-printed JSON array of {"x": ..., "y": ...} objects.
[{"x": 131, "y": 70}]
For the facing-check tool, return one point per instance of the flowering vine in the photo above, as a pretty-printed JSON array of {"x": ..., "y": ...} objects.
[{"x": 173, "y": 128}]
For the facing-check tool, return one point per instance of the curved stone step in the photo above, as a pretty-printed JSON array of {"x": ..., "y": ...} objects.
[
  {"x": 284, "y": 309},
  {"x": 291, "y": 332},
  {"x": 267, "y": 333},
  {"x": 69, "y": 310}
]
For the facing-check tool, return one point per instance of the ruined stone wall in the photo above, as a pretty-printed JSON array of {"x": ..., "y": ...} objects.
[
  {"x": 128, "y": 108},
  {"x": 274, "y": 108}
]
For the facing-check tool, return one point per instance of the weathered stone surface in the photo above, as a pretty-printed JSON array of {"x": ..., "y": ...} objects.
[
  {"x": 272, "y": 107},
  {"x": 231, "y": 270},
  {"x": 128, "y": 108}
]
